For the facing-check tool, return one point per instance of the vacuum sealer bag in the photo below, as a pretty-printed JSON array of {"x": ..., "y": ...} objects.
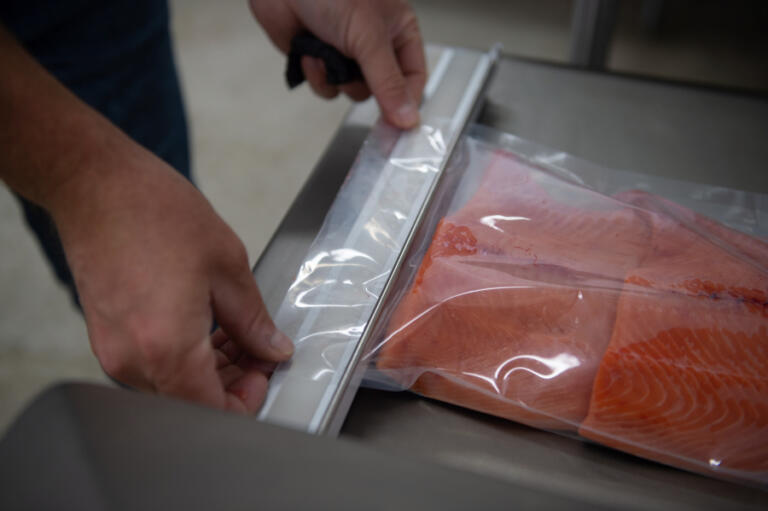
[{"x": 626, "y": 309}]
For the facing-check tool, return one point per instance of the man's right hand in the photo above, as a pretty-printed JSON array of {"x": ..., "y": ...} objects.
[{"x": 381, "y": 35}]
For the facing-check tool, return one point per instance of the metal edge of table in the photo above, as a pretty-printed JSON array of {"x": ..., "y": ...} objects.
[
  {"x": 116, "y": 449},
  {"x": 701, "y": 86}
]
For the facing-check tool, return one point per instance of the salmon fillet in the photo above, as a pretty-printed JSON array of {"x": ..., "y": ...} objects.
[
  {"x": 675, "y": 226},
  {"x": 511, "y": 311},
  {"x": 685, "y": 377},
  {"x": 632, "y": 320},
  {"x": 522, "y": 211},
  {"x": 685, "y": 381},
  {"x": 693, "y": 255}
]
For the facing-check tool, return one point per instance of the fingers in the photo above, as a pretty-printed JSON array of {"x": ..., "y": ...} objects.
[
  {"x": 278, "y": 21},
  {"x": 248, "y": 363},
  {"x": 227, "y": 386},
  {"x": 244, "y": 381},
  {"x": 357, "y": 91},
  {"x": 205, "y": 375},
  {"x": 247, "y": 391},
  {"x": 382, "y": 36},
  {"x": 314, "y": 71},
  {"x": 240, "y": 311},
  {"x": 206, "y": 371},
  {"x": 383, "y": 75},
  {"x": 218, "y": 338},
  {"x": 184, "y": 371},
  {"x": 409, "y": 49}
]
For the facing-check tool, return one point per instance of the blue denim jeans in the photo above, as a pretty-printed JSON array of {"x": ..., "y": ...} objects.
[{"x": 117, "y": 57}]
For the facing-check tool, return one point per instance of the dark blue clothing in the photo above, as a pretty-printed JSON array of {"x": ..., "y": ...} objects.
[{"x": 117, "y": 56}]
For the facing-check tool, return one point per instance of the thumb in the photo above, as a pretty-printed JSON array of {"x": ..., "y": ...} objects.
[
  {"x": 240, "y": 311},
  {"x": 384, "y": 77}
]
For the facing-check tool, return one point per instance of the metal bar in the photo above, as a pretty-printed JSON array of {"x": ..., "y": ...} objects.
[{"x": 592, "y": 24}]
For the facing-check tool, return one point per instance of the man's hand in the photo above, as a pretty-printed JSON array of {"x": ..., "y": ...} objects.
[
  {"x": 152, "y": 261},
  {"x": 382, "y": 35},
  {"x": 154, "y": 264}
]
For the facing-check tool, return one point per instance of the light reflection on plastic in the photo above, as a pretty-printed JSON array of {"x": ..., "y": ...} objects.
[
  {"x": 486, "y": 379},
  {"x": 551, "y": 158},
  {"x": 378, "y": 281},
  {"x": 377, "y": 233},
  {"x": 351, "y": 332},
  {"x": 557, "y": 365},
  {"x": 342, "y": 255},
  {"x": 491, "y": 220},
  {"x": 301, "y": 304},
  {"x": 558, "y": 161},
  {"x": 435, "y": 138},
  {"x": 395, "y": 213},
  {"x": 424, "y": 165},
  {"x": 581, "y": 296},
  {"x": 433, "y": 307},
  {"x": 321, "y": 373},
  {"x": 714, "y": 463},
  {"x": 339, "y": 255}
]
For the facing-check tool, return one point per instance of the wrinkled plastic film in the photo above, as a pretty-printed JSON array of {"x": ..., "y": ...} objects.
[
  {"x": 330, "y": 301},
  {"x": 628, "y": 310}
]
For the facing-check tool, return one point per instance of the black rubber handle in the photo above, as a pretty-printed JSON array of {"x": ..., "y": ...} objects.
[{"x": 339, "y": 69}]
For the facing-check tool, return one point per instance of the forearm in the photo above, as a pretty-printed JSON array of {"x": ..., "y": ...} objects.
[{"x": 50, "y": 141}]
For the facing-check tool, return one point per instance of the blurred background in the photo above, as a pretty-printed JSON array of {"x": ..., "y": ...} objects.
[{"x": 254, "y": 142}]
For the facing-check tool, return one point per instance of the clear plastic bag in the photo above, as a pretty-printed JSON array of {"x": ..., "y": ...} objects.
[
  {"x": 626, "y": 309},
  {"x": 620, "y": 308}
]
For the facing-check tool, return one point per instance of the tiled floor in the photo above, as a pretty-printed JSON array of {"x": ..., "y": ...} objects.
[{"x": 255, "y": 142}]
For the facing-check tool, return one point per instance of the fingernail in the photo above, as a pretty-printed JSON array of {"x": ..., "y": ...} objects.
[
  {"x": 408, "y": 115},
  {"x": 281, "y": 343}
]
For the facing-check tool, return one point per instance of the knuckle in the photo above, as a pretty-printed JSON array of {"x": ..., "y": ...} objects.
[{"x": 115, "y": 365}]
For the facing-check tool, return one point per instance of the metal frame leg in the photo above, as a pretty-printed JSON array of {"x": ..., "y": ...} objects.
[{"x": 592, "y": 24}]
